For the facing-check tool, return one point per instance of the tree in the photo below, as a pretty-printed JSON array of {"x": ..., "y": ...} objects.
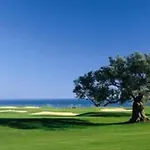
[{"x": 124, "y": 79}]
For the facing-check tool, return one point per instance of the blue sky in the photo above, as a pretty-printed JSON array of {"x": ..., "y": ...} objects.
[{"x": 46, "y": 44}]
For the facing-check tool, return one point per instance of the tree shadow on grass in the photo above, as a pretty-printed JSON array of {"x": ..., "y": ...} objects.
[
  {"x": 49, "y": 123},
  {"x": 106, "y": 114},
  {"x": 62, "y": 123}
]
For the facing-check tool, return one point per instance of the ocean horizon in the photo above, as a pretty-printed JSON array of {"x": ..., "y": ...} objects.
[{"x": 60, "y": 103}]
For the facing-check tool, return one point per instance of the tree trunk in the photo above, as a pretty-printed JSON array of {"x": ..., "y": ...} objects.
[{"x": 138, "y": 114}]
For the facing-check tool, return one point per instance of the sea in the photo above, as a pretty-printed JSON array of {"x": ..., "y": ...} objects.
[{"x": 60, "y": 103}]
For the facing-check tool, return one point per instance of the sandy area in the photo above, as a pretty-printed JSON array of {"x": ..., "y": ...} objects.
[
  {"x": 13, "y": 107},
  {"x": 30, "y": 107},
  {"x": 115, "y": 110},
  {"x": 18, "y": 111},
  {"x": 55, "y": 113},
  {"x": 8, "y": 107}
]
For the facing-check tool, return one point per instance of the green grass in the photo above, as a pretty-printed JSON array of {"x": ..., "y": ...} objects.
[{"x": 93, "y": 130}]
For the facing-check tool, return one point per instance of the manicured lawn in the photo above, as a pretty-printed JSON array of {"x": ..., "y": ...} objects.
[{"x": 93, "y": 130}]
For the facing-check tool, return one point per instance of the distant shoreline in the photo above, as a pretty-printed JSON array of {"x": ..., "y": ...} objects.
[{"x": 56, "y": 103}]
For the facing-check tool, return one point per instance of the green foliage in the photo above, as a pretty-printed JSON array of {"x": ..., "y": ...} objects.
[{"x": 122, "y": 80}]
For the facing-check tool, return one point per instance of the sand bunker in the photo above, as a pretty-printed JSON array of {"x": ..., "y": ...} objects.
[
  {"x": 55, "y": 113},
  {"x": 30, "y": 107},
  {"x": 115, "y": 110},
  {"x": 8, "y": 107},
  {"x": 17, "y": 111}
]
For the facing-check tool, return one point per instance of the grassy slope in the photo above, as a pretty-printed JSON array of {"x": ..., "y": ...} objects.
[{"x": 85, "y": 132}]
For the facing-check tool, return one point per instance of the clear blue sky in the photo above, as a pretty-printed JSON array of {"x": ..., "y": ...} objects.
[{"x": 46, "y": 44}]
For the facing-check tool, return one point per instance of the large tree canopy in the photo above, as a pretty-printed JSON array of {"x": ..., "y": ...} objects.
[{"x": 124, "y": 79}]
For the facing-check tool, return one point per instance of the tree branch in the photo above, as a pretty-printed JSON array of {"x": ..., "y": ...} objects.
[
  {"x": 133, "y": 96},
  {"x": 115, "y": 84},
  {"x": 111, "y": 102},
  {"x": 97, "y": 105}
]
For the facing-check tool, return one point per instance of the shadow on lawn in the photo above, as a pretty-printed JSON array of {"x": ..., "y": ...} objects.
[
  {"x": 61, "y": 123},
  {"x": 106, "y": 114},
  {"x": 49, "y": 123}
]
